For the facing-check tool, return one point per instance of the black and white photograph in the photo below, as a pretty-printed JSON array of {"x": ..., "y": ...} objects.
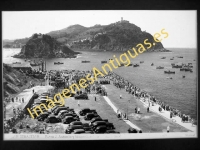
[{"x": 99, "y": 74}]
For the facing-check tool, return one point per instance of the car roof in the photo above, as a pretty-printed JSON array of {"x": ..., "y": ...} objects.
[
  {"x": 103, "y": 126},
  {"x": 79, "y": 130}
]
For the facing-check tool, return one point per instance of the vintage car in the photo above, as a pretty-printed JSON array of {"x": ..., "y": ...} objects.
[
  {"x": 84, "y": 111},
  {"x": 81, "y": 96},
  {"x": 89, "y": 116}
]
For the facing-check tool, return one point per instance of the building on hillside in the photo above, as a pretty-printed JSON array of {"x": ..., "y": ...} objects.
[{"x": 23, "y": 67}]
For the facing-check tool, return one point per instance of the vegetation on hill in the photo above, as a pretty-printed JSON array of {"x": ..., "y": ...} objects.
[{"x": 41, "y": 45}]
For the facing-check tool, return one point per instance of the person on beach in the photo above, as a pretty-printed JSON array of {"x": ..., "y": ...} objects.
[
  {"x": 95, "y": 98},
  {"x": 33, "y": 91},
  {"x": 120, "y": 96},
  {"x": 138, "y": 110},
  {"x": 168, "y": 128},
  {"x": 147, "y": 109},
  {"x": 78, "y": 103},
  {"x": 22, "y": 100}
]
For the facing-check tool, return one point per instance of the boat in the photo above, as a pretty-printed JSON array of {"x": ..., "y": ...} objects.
[
  {"x": 58, "y": 63},
  {"x": 121, "y": 65},
  {"x": 179, "y": 56},
  {"x": 169, "y": 72},
  {"x": 152, "y": 64},
  {"x": 141, "y": 61},
  {"x": 85, "y": 61},
  {"x": 163, "y": 57},
  {"x": 171, "y": 58},
  {"x": 103, "y": 62},
  {"x": 159, "y": 67},
  {"x": 177, "y": 66},
  {"x": 16, "y": 62},
  {"x": 136, "y": 65}
]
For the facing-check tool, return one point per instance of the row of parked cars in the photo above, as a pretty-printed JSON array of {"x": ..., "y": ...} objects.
[{"x": 95, "y": 125}]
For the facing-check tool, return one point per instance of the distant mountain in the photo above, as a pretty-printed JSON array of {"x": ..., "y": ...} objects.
[
  {"x": 119, "y": 36},
  {"x": 41, "y": 45}
]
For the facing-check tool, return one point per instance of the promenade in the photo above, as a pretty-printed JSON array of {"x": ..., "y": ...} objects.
[{"x": 152, "y": 121}]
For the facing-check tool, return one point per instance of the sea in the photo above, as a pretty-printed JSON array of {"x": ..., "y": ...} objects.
[{"x": 178, "y": 92}]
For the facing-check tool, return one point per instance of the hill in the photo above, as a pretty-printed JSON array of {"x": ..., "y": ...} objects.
[
  {"x": 119, "y": 36},
  {"x": 41, "y": 45}
]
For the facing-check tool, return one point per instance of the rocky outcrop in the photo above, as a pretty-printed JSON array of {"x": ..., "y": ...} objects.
[{"x": 39, "y": 46}]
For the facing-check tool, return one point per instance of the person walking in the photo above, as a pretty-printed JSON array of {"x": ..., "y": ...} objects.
[
  {"x": 168, "y": 128},
  {"x": 95, "y": 98},
  {"x": 22, "y": 100},
  {"x": 78, "y": 103},
  {"x": 120, "y": 96}
]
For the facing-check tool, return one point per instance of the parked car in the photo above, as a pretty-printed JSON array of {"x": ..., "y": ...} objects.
[
  {"x": 100, "y": 129},
  {"x": 98, "y": 123},
  {"x": 59, "y": 109},
  {"x": 89, "y": 116},
  {"x": 72, "y": 128},
  {"x": 87, "y": 127},
  {"x": 95, "y": 119},
  {"x": 42, "y": 116},
  {"x": 69, "y": 114},
  {"x": 112, "y": 131},
  {"x": 81, "y": 96},
  {"x": 76, "y": 123},
  {"x": 69, "y": 119},
  {"x": 84, "y": 111},
  {"x": 78, "y": 131},
  {"x": 52, "y": 119}
]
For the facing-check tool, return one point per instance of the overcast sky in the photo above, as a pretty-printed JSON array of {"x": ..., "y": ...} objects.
[{"x": 180, "y": 25}]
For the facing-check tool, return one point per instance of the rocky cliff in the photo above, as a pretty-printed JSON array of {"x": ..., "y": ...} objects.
[{"x": 41, "y": 45}]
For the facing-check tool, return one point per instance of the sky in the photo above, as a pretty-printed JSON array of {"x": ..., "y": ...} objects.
[{"x": 180, "y": 25}]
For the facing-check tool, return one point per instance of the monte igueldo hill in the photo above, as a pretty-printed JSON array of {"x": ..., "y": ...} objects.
[
  {"x": 118, "y": 36},
  {"x": 41, "y": 45}
]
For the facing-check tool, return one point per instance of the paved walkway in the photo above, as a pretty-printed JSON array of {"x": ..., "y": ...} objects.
[
  {"x": 166, "y": 114},
  {"x": 115, "y": 109}
]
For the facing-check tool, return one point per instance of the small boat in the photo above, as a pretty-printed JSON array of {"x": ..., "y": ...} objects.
[
  {"x": 163, "y": 57},
  {"x": 58, "y": 63},
  {"x": 169, "y": 72},
  {"x": 169, "y": 77},
  {"x": 121, "y": 65},
  {"x": 141, "y": 61},
  {"x": 159, "y": 67},
  {"x": 179, "y": 56},
  {"x": 136, "y": 65},
  {"x": 171, "y": 58},
  {"x": 34, "y": 63},
  {"x": 16, "y": 62},
  {"x": 152, "y": 64},
  {"x": 103, "y": 62},
  {"x": 177, "y": 66},
  {"x": 85, "y": 61}
]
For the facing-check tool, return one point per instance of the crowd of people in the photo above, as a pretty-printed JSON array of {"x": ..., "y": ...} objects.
[
  {"x": 121, "y": 83},
  {"x": 9, "y": 124}
]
